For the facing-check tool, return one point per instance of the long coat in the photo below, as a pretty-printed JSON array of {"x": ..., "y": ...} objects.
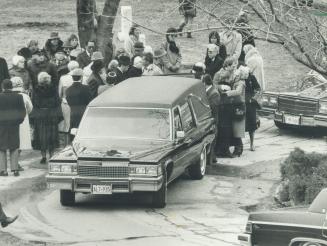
[
  {"x": 214, "y": 99},
  {"x": 94, "y": 82},
  {"x": 12, "y": 113},
  {"x": 238, "y": 95},
  {"x": 78, "y": 97},
  {"x": 233, "y": 43},
  {"x": 24, "y": 128},
  {"x": 213, "y": 66},
  {"x": 4, "y": 73},
  {"x": 83, "y": 59},
  {"x": 254, "y": 61}
]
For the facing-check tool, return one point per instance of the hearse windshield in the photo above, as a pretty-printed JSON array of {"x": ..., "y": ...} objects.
[{"x": 152, "y": 124}]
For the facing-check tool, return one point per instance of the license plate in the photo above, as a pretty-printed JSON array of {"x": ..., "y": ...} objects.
[
  {"x": 292, "y": 120},
  {"x": 101, "y": 189}
]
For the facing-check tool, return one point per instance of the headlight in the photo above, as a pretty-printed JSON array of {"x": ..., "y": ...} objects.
[
  {"x": 323, "y": 107},
  {"x": 145, "y": 170},
  {"x": 63, "y": 168}
]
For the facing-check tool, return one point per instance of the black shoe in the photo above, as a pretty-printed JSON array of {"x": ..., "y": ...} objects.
[
  {"x": 43, "y": 160},
  {"x": 16, "y": 173},
  {"x": 8, "y": 221},
  {"x": 189, "y": 35},
  {"x": 4, "y": 174},
  {"x": 20, "y": 168}
]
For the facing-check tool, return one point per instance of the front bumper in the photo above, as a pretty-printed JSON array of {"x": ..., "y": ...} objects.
[
  {"x": 245, "y": 239},
  {"x": 301, "y": 120},
  {"x": 84, "y": 184}
]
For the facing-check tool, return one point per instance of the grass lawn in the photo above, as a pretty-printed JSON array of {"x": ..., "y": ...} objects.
[{"x": 60, "y": 16}]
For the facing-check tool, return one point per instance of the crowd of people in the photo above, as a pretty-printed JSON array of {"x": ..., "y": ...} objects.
[{"x": 46, "y": 91}]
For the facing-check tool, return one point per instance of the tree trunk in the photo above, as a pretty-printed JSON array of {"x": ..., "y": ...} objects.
[
  {"x": 86, "y": 11},
  {"x": 102, "y": 33}
]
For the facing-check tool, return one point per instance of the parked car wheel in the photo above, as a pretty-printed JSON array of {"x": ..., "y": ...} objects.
[
  {"x": 198, "y": 170},
  {"x": 159, "y": 198},
  {"x": 67, "y": 198}
]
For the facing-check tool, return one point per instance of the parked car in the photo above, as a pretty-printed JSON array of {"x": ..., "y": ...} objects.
[
  {"x": 286, "y": 227},
  {"x": 139, "y": 135},
  {"x": 308, "y": 107}
]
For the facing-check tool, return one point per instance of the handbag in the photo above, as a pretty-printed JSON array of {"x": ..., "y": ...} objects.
[{"x": 239, "y": 111}]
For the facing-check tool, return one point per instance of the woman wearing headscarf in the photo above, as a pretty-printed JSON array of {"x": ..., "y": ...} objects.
[
  {"x": 214, "y": 38},
  {"x": 24, "y": 128},
  {"x": 172, "y": 50},
  {"x": 18, "y": 70},
  {"x": 223, "y": 81},
  {"x": 254, "y": 61},
  {"x": 46, "y": 115},
  {"x": 237, "y": 96}
]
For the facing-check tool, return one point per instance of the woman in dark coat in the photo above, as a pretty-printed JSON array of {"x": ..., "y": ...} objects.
[
  {"x": 97, "y": 78},
  {"x": 12, "y": 112},
  {"x": 252, "y": 87},
  {"x": 46, "y": 115}
]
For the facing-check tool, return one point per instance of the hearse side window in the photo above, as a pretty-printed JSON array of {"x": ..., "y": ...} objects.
[
  {"x": 201, "y": 110},
  {"x": 187, "y": 118},
  {"x": 177, "y": 121}
]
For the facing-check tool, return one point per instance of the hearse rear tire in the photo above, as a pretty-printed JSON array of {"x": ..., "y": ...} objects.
[
  {"x": 198, "y": 170},
  {"x": 67, "y": 198},
  {"x": 159, "y": 198}
]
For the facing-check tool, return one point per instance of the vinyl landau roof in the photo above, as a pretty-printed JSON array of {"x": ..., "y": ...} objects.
[{"x": 148, "y": 91}]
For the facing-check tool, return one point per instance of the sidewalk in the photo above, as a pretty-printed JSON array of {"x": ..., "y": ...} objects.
[{"x": 31, "y": 179}]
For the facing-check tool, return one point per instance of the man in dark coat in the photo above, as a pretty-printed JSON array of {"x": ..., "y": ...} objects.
[
  {"x": 40, "y": 64},
  {"x": 214, "y": 99},
  {"x": 213, "y": 61},
  {"x": 78, "y": 97},
  {"x": 84, "y": 58},
  {"x": 4, "y": 72},
  {"x": 12, "y": 111},
  {"x": 121, "y": 72}
]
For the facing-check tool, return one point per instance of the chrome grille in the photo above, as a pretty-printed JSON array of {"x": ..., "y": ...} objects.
[
  {"x": 297, "y": 106},
  {"x": 103, "y": 172}
]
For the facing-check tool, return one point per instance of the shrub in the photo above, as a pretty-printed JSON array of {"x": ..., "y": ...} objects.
[{"x": 306, "y": 173}]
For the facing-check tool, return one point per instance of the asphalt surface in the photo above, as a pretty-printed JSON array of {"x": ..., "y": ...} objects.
[{"x": 206, "y": 212}]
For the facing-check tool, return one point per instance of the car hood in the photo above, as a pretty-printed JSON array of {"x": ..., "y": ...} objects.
[
  {"x": 291, "y": 218},
  {"x": 134, "y": 150}
]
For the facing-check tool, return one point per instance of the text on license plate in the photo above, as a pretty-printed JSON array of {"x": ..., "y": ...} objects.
[
  {"x": 101, "y": 189},
  {"x": 293, "y": 120}
]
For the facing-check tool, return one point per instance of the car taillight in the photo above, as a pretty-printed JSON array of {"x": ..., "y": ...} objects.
[{"x": 248, "y": 227}]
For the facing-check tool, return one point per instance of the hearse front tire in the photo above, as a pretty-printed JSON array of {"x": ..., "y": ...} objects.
[
  {"x": 197, "y": 171},
  {"x": 67, "y": 198},
  {"x": 159, "y": 198}
]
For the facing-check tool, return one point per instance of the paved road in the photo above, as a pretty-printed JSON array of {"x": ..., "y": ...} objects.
[
  {"x": 198, "y": 213},
  {"x": 205, "y": 212}
]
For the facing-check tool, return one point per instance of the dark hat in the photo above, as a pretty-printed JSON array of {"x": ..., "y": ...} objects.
[
  {"x": 25, "y": 52},
  {"x": 7, "y": 84},
  {"x": 97, "y": 65},
  {"x": 54, "y": 35},
  {"x": 138, "y": 45},
  {"x": 124, "y": 60}
]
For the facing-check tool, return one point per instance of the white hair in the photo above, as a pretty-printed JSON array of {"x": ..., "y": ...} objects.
[
  {"x": 16, "y": 59},
  {"x": 72, "y": 65}
]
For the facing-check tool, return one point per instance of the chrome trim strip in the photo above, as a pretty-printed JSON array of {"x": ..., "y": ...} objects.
[{"x": 287, "y": 224}]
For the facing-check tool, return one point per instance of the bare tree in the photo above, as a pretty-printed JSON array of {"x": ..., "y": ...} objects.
[
  {"x": 296, "y": 25},
  {"x": 92, "y": 26}
]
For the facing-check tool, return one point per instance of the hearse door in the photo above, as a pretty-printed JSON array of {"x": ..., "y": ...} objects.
[{"x": 181, "y": 151}]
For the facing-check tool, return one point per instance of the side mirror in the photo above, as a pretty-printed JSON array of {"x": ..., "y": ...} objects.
[
  {"x": 180, "y": 134},
  {"x": 73, "y": 131}
]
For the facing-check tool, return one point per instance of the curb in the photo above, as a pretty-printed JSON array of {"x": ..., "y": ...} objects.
[{"x": 22, "y": 188}]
